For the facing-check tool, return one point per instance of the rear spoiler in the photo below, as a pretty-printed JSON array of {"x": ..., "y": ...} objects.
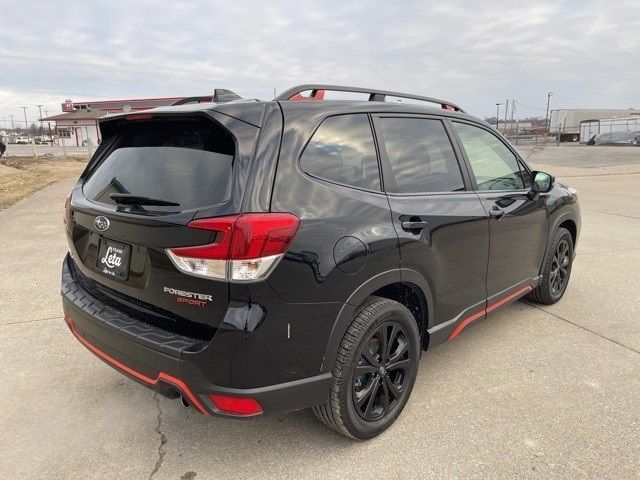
[{"x": 220, "y": 95}]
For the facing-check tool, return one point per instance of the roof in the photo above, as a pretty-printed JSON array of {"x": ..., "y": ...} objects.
[
  {"x": 251, "y": 111},
  {"x": 92, "y": 114}
]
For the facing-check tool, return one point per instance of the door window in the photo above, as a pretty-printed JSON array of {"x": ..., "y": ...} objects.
[
  {"x": 494, "y": 166},
  {"x": 342, "y": 151},
  {"x": 421, "y": 156}
]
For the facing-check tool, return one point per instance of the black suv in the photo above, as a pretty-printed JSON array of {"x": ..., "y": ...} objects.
[{"x": 257, "y": 257}]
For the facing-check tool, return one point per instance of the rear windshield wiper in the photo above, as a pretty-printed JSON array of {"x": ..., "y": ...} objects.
[{"x": 131, "y": 199}]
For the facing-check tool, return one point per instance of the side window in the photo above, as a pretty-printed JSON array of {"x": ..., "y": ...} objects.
[
  {"x": 421, "y": 156},
  {"x": 342, "y": 151},
  {"x": 493, "y": 164}
]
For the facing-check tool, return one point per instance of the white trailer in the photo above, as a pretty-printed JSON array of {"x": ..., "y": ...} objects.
[{"x": 566, "y": 123}]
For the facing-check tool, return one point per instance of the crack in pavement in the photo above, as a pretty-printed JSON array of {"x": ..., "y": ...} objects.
[
  {"x": 614, "y": 214},
  {"x": 609, "y": 251},
  {"x": 163, "y": 439},
  {"x": 614, "y": 174},
  {"x": 584, "y": 328},
  {"x": 32, "y": 320}
]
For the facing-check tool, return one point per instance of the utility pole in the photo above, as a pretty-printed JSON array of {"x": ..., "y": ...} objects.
[
  {"x": 547, "y": 119},
  {"x": 26, "y": 124},
  {"x": 12, "y": 125},
  {"x": 41, "y": 124},
  {"x": 498, "y": 115}
]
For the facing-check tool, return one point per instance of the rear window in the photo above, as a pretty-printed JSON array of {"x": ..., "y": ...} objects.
[
  {"x": 342, "y": 151},
  {"x": 187, "y": 162}
]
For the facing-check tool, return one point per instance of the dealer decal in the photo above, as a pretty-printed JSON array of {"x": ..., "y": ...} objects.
[
  {"x": 113, "y": 257},
  {"x": 190, "y": 298}
]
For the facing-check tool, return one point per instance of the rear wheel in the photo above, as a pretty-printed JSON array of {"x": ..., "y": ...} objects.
[
  {"x": 374, "y": 371},
  {"x": 556, "y": 270}
]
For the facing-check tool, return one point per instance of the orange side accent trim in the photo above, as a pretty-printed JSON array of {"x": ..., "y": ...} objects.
[
  {"x": 490, "y": 308},
  {"x": 134, "y": 373}
]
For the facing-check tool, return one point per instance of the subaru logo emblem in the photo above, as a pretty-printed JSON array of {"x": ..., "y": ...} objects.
[{"x": 101, "y": 223}]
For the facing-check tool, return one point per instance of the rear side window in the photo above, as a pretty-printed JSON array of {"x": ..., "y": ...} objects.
[
  {"x": 187, "y": 162},
  {"x": 421, "y": 156},
  {"x": 342, "y": 151}
]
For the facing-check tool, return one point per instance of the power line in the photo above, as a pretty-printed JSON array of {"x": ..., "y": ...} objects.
[
  {"x": 51, "y": 92},
  {"x": 531, "y": 107}
]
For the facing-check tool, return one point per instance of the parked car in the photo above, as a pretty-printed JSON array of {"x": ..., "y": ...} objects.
[
  {"x": 21, "y": 140},
  {"x": 258, "y": 257},
  {"x": 41, "y": 140}
]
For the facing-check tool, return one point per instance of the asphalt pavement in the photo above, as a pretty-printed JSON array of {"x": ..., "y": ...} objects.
[{"x": 530, "y": 392}]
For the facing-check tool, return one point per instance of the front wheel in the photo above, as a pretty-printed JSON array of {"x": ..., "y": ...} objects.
[
  {"x": 556, "y": 269},
  {"x": 375, "y": 370}
]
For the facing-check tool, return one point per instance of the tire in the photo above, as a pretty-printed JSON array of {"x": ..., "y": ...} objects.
[
  {"x": 350, "y": 410},
  {"x": 555, "y": 277}
]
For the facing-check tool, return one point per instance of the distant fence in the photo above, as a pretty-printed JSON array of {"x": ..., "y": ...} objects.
[
  {"x": 610, "y": 131},
  {"x": 45, "y": 150}
]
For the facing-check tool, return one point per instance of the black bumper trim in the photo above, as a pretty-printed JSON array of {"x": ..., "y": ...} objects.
[{"x": 144, "y": 333}]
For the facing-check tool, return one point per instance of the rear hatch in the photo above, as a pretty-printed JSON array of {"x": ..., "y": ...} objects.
[{"x": 152, "y": 175}]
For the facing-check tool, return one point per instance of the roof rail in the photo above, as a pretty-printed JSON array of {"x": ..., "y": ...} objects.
[
  {"x": 318, "y": 91},
  {"x": 220, "y": 95}
]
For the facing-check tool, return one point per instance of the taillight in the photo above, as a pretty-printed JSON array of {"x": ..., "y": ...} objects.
[
  {"x": 246, "y": 249},
  {"x": 236, "y": 405},
  {"x": 66, "y": 218}
]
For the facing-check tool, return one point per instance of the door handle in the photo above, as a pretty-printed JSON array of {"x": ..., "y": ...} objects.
[
  {"x": 496, "y": 212},
  {"x": 412, "y": 226}
]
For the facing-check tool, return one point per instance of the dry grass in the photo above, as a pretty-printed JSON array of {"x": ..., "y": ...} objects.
[{"x": 21, "y": 177}]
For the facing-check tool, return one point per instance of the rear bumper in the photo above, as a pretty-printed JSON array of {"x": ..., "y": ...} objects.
[{"x": 152, "y": 357}]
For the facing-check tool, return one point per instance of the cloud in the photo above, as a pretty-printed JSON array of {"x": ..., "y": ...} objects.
[{"x": 473, "y": 53}]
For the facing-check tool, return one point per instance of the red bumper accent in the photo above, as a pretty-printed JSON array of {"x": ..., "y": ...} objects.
[
  {"x": 162, "y": 376},
  {"x": 489, "y": 308}
]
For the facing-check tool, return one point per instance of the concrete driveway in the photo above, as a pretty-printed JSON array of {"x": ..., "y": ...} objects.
[{"x": 531, "y": 392}]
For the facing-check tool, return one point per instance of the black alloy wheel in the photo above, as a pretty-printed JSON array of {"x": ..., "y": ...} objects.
[
  {"x": 374, "y": 371},
  {"x": 381, "y": 372},
  {"x": 556, "y": 269},
  {"x": 559, "y": 275}
]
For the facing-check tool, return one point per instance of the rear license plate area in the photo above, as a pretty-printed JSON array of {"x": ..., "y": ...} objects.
[{"x": 113, "y": 259}]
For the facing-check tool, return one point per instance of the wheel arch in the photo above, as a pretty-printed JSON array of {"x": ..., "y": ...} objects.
[
  {"x": 393, "y": 284},
  {"x": 570, "y": 225},
  {"x": 564, "y": 218}
]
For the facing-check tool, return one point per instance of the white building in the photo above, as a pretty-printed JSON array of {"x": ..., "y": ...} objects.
[{"x": 76, "y": 128}]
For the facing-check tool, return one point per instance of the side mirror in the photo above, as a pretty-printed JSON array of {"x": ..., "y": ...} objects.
[{"x": 542, "y": 182}]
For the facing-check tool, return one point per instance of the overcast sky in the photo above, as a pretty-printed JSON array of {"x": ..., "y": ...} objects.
[{"x": 472, "y": 53}]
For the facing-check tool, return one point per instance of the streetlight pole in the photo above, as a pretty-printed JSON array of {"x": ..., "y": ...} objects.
[
  {"x": 547, "y": 120},
  {"x": 498, "y": 114},
  {"x": 506, "y": 110}
]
